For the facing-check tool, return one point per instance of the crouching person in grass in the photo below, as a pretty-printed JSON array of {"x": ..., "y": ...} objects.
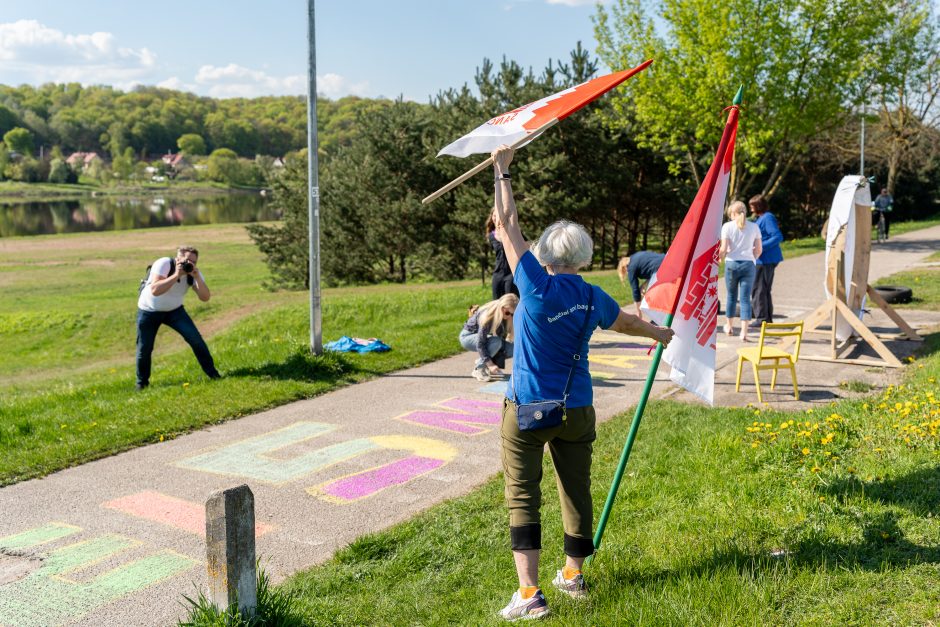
[
  {"x": 557, "y": 312},
  {"x": 161, "y": 302}
]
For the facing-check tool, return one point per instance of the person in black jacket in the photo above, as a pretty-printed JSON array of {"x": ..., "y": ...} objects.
[{"x": 502, "y": 275}]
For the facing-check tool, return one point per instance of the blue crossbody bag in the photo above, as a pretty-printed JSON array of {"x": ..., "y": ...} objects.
[{"x": 548, "y": 414}]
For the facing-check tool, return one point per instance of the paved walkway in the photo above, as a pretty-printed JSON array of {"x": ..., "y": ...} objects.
[{"x": 120, "y": 540}]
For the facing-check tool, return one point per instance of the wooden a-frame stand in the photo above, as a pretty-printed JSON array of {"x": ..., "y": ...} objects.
[{"x": 836, "y": 305}]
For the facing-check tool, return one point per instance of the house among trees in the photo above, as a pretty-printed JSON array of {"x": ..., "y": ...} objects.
[
  {"x": 175, "y": 163},
  {"x": 81, "y": 161}
]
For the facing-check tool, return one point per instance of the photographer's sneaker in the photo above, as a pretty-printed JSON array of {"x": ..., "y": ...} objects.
[
  {"x": 574, "y": 587},
  {"x": 534, "y": 607},
  {"x": 480, "y": 374}
]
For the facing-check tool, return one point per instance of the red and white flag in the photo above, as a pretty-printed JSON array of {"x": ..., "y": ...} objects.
[
  {"x": 513, "y": 126},
  {"x": 686, "y": 284}
]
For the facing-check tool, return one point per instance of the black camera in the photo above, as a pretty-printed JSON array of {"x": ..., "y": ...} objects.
[{"x": 187, "y": 266}]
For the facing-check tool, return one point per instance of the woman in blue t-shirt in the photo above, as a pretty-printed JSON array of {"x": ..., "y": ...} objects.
[{"x": 548, "y": 324}]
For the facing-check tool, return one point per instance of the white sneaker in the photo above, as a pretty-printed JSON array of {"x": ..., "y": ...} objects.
[
  {"x": 480, "y": 374},
  {"x": 525, "y": 609},
  {"x": 574, "y": 587}
]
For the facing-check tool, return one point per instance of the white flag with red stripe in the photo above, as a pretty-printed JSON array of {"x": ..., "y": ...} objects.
[
  {"x": 513, "y": 126},
  {"x": 686, "y": 285}
]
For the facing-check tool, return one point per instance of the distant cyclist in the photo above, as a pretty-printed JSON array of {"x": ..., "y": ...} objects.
[{"x": 884, "y": 203}]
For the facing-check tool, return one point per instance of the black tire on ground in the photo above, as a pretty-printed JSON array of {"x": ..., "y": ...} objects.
[{"x": 895, "y": 293}]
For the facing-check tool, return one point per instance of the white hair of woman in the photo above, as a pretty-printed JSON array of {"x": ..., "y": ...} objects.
[{"x": 564, "y": 244}]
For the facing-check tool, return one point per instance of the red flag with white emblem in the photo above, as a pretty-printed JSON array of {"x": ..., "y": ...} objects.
[
  {"x": 685, "y": 289},
  {"x": 512, "y": 126}
]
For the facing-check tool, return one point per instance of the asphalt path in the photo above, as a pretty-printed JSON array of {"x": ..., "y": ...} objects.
[{"x": 120, "y": 541}]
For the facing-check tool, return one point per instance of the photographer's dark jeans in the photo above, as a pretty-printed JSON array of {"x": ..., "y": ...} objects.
[{"x": 148, "y": 323}]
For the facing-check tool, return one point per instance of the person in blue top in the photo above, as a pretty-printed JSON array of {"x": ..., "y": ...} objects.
[
  {"x": 641, "y": 265},
  {"x": 762, "y": 304},
  {"x": 883, "y": 204},
  {"x": 548, "y": 326}
]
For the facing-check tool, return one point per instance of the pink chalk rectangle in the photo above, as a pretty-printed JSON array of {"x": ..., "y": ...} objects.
[
  {"x": 451, "y": 421},
  {"x": 371, "y": 481},
  {"x": 169, "y": 510}
]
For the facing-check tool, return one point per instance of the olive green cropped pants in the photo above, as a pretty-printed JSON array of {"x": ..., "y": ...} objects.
[{"x": 570, "y": 445}]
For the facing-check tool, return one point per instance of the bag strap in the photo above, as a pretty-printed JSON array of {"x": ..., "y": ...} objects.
[{"x": 577, "y": 350}]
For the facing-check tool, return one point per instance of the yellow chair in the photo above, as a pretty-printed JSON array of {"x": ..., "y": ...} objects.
[{"x": 771, "y": 358}]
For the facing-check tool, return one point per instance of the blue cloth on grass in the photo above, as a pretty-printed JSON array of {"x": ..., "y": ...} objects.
[{"x": 348, "y": 344}]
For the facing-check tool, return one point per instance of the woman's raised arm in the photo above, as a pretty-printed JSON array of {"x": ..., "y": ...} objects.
[{"x": 508, "y": 218}]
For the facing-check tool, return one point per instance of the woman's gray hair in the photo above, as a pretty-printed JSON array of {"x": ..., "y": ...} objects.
[{"x": 564, "y": 243}]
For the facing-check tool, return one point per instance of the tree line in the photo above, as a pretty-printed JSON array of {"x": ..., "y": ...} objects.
[
  {"x": 628, "y": 166},
  {"x": 152, "y": 120}
]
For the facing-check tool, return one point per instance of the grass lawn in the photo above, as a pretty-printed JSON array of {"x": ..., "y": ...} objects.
[
  {"x": 924, "y": 283},
  {"x": 726, "y": 517}
]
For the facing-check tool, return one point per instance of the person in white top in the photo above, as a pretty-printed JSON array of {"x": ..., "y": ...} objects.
[
  {"x": 161, "y": 302},
  {"x": 740, "y": 248}
]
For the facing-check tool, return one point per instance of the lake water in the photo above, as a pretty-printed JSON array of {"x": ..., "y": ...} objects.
[{"x": 110, "y": 213}]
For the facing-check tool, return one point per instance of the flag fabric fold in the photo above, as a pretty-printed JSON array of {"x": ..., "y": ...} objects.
[
  {"x": 513, "y": 126},
  {"x": 686, "y": 285}
]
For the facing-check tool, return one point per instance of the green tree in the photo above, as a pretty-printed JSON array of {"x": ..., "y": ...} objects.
[
  {"x": 284, "y": 245},
  {"x": 7, "y": 119},
  {"x": 223, "y": 165},
  {"x": 4, "y": 161},
  {"x": 122, "y": 166},
  {"x": 58, "y": 171},
  {"x": 801, "y": 62},
  {"x": 905, "y": 90},
  {"x": 19, "y": 140},
  {"x": 191, "y": 144}
]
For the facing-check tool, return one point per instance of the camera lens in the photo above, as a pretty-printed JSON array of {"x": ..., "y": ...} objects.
[{"x": 187, "y": 266}]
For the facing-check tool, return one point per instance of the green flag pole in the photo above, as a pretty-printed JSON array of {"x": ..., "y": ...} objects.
[
  {"x": 625, "y": 455},
  {"x": 650, "y": 378}
]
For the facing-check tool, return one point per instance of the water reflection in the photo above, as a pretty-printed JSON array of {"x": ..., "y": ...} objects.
[{"x": 119, "y": 213}]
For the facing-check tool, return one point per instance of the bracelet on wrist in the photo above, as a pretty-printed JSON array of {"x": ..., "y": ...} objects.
[{"x": 503, "y": 177}]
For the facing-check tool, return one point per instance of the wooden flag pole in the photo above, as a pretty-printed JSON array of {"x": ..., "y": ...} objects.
[{"x": 489, "y": 161}]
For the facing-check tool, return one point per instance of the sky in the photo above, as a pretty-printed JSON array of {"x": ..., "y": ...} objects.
[{"x": 245, "y": 48}]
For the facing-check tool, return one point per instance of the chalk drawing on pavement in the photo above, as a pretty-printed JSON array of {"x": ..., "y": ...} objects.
[
  {"x": 171, "y": 511},
  {"x": 54, "y": 593},
  {"x": 426, "y": 456},
  {"x": 255, "y": 458},
  {"x": 458, "y": 415},
  {"x": 618, "y": 361}
]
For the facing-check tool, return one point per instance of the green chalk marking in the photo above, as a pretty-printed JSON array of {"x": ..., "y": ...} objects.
[
  {"x": 37, "y": 536},
  {"x": 47, "y": 596}
]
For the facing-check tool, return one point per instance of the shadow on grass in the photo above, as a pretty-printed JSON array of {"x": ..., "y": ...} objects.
[
  {"x": 930, "y": 346},
  {"x": 882, "y": 545},
  {"x": 301, "y": 365},
  {"x": 918, "y": 491}
]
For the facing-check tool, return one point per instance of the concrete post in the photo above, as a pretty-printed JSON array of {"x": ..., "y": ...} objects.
[{"x": 230, "y": 548}]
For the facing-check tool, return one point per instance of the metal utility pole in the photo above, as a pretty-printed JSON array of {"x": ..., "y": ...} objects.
[
  {"x": 313, "y": 219},
  {"x": 861, "y": 165}
]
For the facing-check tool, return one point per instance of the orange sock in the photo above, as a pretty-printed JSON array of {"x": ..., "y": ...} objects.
[
  {"x": 569, "y": 573},
  {"x": 527, "y": 592}
]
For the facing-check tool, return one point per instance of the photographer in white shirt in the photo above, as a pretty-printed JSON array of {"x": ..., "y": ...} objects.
[{"x": 161, "y": 302}]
